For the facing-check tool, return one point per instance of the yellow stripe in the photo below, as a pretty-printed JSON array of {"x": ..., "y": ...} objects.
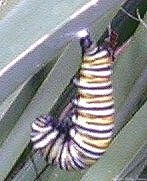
[
  {"x": 90, "y": 98},
  {"x": 100, "y": 101},
  {"x": 100, "y": 144},
  {"x": 97, "y": 143},
  {"x": 89, "y": 65},
  {"x": 94, "y": 79},
  {"x": 90, "y": 59},
  {"x": 89, "y": 115},
  {"x": 99, "y": 121},
  {"x": 90, "y": 161}
]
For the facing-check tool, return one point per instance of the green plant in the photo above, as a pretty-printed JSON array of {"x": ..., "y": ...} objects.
[{"x": 33, "y": 82}]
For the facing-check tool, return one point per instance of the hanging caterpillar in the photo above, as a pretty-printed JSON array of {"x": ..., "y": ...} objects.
[{"x": 85, "y": 133}]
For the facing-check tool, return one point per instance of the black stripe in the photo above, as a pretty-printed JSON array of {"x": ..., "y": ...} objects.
[
  {"x": 70, "y": 156},
  {"x": 97, "y": 116},
  {"x": 90, "y": 136},
  {"x": 34, "y": 131},
  {"x": 60, "y": 162},
  {"x": 94, "y": 130},
  {"x": 47, "y": 121},
  {"x": 88, "y": 151},
  {"x": 43, "y": 136},
  {"x": 76, "y": 164},
  {"x": 97, "y": 52},
  {"x": 98, "y": 69},
  {"x": 94, "y": 88},
  {"x": 95, "y": 108},
  {"x": 53, "y": 143}
]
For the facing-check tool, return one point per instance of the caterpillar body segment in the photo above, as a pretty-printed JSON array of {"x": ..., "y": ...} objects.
[{"x": 85, "y": 133}]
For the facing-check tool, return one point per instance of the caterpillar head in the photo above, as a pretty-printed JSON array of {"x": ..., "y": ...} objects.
[{"x": 86, "y": 42}]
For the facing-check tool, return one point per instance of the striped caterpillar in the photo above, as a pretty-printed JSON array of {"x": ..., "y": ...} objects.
[{"x": 84, "y": 134}]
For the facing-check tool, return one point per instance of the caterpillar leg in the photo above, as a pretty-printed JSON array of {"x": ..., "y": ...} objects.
[{"x": 67, "y": 110}]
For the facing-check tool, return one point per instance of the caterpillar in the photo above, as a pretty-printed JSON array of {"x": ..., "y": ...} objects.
[{"x": 83, "y": 135}]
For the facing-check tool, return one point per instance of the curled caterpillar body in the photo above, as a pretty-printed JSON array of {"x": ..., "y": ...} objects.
[{"x": 84, "y": 134}]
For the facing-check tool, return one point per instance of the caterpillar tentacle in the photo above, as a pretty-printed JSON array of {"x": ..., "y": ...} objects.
[{"x": 84, "y": 133}]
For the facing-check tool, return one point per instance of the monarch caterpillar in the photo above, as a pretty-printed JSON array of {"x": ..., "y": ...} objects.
[{"x": 83, "y": 135}]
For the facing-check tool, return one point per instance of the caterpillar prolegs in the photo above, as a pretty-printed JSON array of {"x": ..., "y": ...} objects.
[{"x": 84, "y": 134}]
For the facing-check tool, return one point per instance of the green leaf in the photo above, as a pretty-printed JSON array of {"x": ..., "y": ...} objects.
[
  {"x": 27, "y": 44},
  {"x": 71, "y": 55},
  {"x": 130, "y": 75},
  {"x": 15, "y": 104},
  {"x": 53, "y": 85},
  {"x": 58, "y": 34},
  {"x": 135, "y": 167},
  {"x": 130, "y": 65}
]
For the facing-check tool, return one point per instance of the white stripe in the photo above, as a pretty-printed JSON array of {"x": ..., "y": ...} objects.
[
  {"x": 75, "y": 155},
  {"x": 82, "y": 33},
  {"x": 90, "y": 155},
  {"x": 71, "y": 163},
  {"x": 64, "y": 155},
  {"x": 95, "y": 135},
  {"x": 96, "y": 92},
  {"x": 97, "y": 73},
  {"x": 96, "y": 66},
  {"x": 69, "y": 159},
  {"x": 34, "y": 133},
  {"x": 42, "y": 120},
  {"x": 99, "y": 113},
  {"x": 88, "y": 147},
  {"x": 46, "y": 140},
  {"x": 91, "y": 105},
  {"x": 84, "y": 84},
  {"x": 37, "y": 137},
  {"x": 100, "y": 54},
  {"x": 56, "y": 149},
  {"x": 85, "y": 154},
  {"x": 88, "y": 126},
  {"x": 40, "y": 129},
  {"x": 93, "y": 51},
  {"x": 58, "y": 152},
  {"x": 74, "y": 148}
]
